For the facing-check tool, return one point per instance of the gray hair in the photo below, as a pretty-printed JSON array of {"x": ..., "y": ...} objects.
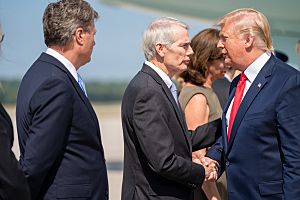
[
  {"x": 159, "y": 31},
  {"x": 251, "y": 22},
  {"x": 62, "y": 18}
]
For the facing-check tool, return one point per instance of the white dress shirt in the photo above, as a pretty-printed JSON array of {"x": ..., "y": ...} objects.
[
  {"x": 162, "y": 74},
  {"x": 70, "y": 67},
  {"x": 251, "y": 72},
  {"x": 228, "y": 78}
]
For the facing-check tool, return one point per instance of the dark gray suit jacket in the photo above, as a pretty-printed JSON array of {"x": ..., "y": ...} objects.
[
  {"x": 60, "y": 143},
  {"x": 157, "y": 145},
  {"x": 221, "y": 88}
]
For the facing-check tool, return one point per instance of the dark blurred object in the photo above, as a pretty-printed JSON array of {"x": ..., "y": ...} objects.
[
  {"x": 282, "y": 56},
  {"x": 1, "y": 36}
]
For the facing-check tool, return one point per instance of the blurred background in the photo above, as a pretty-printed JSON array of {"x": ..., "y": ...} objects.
[{"x": 118, "y": 56}]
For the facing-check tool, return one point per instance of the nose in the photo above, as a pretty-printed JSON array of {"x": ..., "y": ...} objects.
[
  {"x": 220, "y": 44},
  {"x": 190, "y": 51}
]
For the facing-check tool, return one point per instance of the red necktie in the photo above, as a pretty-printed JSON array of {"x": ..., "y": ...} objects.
[{"x": 238, "y": 96}]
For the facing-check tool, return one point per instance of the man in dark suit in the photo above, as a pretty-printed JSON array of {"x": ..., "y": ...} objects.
[
  {"x": 260, "y": 138},
  {"x": 60, "y": 143},
  {"x": 13, "y": 184},
  {"x": 157, "y": 145}
]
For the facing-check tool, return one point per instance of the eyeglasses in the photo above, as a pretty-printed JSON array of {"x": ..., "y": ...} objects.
[{"x": 1, "y": 36}]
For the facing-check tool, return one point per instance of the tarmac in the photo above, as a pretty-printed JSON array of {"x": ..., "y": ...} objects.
[{"x": 109, "y": 117}]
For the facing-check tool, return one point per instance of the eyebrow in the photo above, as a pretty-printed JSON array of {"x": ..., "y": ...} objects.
[
  {"x": 223, "y": 34},
  {"x": 185, "y": 43}
]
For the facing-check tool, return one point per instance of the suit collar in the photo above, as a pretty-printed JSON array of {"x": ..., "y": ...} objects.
[
  {"x": 67, "y": 64},
  {"x": 258, "y": 84},
  {"x": 252, "y": 70},
  {"x": 162, "y": 74},
  {"x": 52, "y": 60},
  {"x": 148, "y": 70}
]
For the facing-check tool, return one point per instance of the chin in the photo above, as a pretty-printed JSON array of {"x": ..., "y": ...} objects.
[
  {"x": 227, "y": 61},
  {"x": 183, "y": 67}
]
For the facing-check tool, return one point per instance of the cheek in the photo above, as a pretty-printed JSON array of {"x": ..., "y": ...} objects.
[{"x": 182, "y": 56}]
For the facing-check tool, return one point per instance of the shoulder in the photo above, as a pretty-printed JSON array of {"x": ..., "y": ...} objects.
[
  {"x": 143, "y": 83},
  {"x": 199, "y": 99}
]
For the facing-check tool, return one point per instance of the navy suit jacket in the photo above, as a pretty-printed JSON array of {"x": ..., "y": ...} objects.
[
  {"x": 263, "y": 154},
  {"x": 157, "y": 145},
  {"x": 60, "y": 143}
]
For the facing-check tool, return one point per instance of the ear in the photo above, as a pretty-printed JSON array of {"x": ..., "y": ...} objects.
[
  {"x": 79, "y": 35},
  {"x": 249, "y": 41},
  {"x": 160, "y": 49}
]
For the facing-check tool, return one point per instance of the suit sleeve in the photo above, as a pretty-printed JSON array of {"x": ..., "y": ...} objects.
[
  {"x": 206, "y": 135},
  {"x": 288, "y": 116},
  {"x": 51, "y": 109},
  {"x": 157, "y": 141},
  {"x": 13, "y": 184},
  {"x": 216, "y": 153}
]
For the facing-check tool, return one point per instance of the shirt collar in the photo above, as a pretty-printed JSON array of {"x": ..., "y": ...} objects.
[
  {"x": 227, "y": 77},
  {"x": 162, "y": 74},
  {"x": 70, "y": 67},
  {"x": 253, "y": 69}
]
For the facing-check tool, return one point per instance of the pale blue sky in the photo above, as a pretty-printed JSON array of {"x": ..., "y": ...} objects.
[{"x": 117, "y": 54}]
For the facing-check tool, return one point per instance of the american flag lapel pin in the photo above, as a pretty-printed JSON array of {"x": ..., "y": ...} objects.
[{"x": 259, "y": 85}]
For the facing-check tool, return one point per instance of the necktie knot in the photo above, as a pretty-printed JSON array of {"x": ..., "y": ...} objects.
[
  {"x": 243, "y": 77},
  {"x": 173, "y": 90}
]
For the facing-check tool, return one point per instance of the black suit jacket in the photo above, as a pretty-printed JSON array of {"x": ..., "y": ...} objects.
[
  {"x": 61, "y": 150},
  {"x": 221, "y": 88},
  {"x": 158, "y": 147},
  {"x": 13, "y": 185}
]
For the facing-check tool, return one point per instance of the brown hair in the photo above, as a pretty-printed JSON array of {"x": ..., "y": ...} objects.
[
  {"x": 62, "y": 18},
  {"x": 204, "y": 45}
]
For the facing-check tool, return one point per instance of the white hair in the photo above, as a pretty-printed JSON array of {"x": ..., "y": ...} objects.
[{"x": 159, "y": 31}]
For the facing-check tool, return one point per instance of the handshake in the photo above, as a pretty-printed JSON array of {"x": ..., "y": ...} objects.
[{"x": 210, "y": 166}]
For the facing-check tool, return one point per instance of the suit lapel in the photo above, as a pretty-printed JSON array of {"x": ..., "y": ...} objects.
[
  {"x": 224, "y": 120},
  {"x": 258, "y": 84},
  {"x": 170, "y": 97},
  {"x": 48, "y": 58}
]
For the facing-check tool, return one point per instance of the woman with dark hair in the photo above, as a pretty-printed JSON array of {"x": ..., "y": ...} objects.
[
  {"x": 13, "y": 185},
  {"x": 197, "y": 98}
]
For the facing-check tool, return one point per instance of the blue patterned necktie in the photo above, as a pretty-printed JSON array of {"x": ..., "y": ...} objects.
[
  {"x": 81, "y": 84},
  {"x": 174, "y": 92}
]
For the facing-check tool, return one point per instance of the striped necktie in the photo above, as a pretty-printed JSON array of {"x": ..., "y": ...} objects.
[
  {"x": 81, "y": 84},
  {"x": 174, "y": 92}
]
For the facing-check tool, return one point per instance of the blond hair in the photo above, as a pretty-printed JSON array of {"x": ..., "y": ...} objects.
[{"x": 248, "y": 21}]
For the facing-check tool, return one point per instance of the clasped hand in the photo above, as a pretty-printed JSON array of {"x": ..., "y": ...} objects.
[{"x": 210, "y": 166}]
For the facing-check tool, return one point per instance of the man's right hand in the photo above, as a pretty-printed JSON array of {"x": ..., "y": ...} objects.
[{"x": 210, "y": 166}]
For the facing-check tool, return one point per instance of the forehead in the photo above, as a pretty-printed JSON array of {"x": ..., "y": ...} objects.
[
  {"x": 227, "y": 29},
  {"x": 180, "y": 34}
]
